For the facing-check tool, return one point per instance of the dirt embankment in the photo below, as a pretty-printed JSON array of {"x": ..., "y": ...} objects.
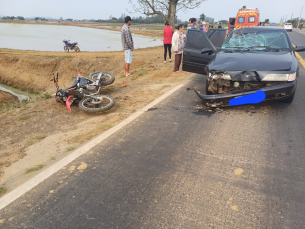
[
  {"x": 43, "y": 131},
  {"x": 7, "y": 98}
]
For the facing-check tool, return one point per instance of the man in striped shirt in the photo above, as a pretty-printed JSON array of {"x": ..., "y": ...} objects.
[{"x": 127, "y": 43}]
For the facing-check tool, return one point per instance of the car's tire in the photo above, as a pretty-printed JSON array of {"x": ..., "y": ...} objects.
[
  {"x": 66, "y": 48},
  {"x": 109, "y": 78},
  {"x": 289, "y": 99}
]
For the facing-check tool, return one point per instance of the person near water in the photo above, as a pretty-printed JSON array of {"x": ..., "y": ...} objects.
[
  {"x": 193, "y": 24},
  {"x": 128, "y": 45},
  {"x": 178, "y": 45},
  {"x": 219, "y": 26},
  {"x": 167, "y": 41}
]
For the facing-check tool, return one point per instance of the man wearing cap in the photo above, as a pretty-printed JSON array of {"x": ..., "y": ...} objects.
[{"x": 127, "y": 44}]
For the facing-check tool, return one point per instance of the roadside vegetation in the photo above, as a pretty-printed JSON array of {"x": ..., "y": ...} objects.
[{"x": 35, "y": 168}]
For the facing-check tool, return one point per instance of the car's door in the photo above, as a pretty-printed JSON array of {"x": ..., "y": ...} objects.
[{"x": 193, "y": 60}]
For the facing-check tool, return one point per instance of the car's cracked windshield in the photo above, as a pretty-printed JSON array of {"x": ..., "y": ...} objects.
[{"x": 257, "y": 41}]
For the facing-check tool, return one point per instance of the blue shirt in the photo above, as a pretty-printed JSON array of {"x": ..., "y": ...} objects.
[{"x": 191, "y": 27}]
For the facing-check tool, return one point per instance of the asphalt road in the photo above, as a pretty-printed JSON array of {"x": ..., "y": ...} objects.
[{"x": 181, "y": 166}]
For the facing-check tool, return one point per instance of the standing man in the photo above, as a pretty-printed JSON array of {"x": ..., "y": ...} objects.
[
  {"x": 301, "y": 26},
  {"x": 127, "y": 43},
  {"x": 219, "y": 26},
  {"x": 193, "y": 24}
]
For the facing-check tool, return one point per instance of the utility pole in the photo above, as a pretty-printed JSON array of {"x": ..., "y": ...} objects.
[
  {"x": 300, "y": 17},
  {"x": 291, "y": 17},
  {"x": 285, "y": 19}
]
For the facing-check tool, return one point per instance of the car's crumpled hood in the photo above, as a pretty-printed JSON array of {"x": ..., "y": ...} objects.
[{"x": 252, "y": 61}]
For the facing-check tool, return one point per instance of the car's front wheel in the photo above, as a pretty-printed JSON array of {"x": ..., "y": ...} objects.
[{"x": 289, "y": 99}]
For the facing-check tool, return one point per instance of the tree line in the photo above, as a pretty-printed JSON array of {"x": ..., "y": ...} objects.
[
  {"x": 13, "y": 18},
  {"x": 295, "y": 22}
]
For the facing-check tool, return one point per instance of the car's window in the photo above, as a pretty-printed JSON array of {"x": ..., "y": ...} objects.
[
  {"x": 217, "y": 38},
  {"x": 288, "y": 24},
  {"x": 274, "y": 39},
  {"x": 241, "y": 20},
  {"x": 251, "y": 19},
  {"x": 197, "y": 40},
  {"x": 232, "y": 21}
]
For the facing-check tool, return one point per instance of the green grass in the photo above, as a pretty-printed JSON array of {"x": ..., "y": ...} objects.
[
  {"x": 68, "y": 57},
  {"x": 23, "y": 117},
  {"x": 105, "y": 57},
  {"x": 9, "y": 106},
  {"x": 36, "y": 92},
  {"x": 38, "y": 137},
  {"x": 47, "y": 95},
  {"x": 35, "y": 168},
  {"x": 70, "y": 148},
  {"x": 2, "y": 190},
  {"x": 4, "y": 154},
  {"x": 50, "y": 56}
]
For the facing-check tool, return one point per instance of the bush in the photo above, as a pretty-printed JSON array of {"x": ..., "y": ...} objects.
[{"x": 47, "y": 95}]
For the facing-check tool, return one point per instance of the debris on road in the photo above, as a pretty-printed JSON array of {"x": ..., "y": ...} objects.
[{"x": 152, "y": 109}]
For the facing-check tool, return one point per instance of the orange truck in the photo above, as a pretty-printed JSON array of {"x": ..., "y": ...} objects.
[{"x": 246, "y": 17}]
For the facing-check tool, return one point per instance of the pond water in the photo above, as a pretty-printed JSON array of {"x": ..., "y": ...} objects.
[
  {"x": 49, "y": 38},
  {"x": 21, "y": 95}
]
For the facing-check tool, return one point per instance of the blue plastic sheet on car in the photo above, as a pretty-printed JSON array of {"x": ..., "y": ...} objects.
[{"x": 257, "y": 97}]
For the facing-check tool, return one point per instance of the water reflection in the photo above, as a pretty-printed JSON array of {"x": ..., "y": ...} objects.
[{"x": 49, "y": 38}]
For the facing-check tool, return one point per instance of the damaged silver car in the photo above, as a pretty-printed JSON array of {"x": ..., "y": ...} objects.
[{"x": 250, "y": 60}]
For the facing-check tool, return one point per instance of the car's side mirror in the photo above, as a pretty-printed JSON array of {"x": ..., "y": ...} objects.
[
  {"x": 206, "y": 50},
  {"x": 299, "y": 48}
]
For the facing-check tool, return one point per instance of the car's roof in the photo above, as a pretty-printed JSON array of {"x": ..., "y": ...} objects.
[{"x": 258, "y": 29}]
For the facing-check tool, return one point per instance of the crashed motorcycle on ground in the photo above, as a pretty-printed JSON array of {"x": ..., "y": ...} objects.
[
  {"x": 86, "y": 91},
  {"x": 70, "y": 46}
]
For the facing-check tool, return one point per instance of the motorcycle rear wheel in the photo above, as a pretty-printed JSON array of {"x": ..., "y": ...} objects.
[
  {"x": 66, "y": 48},
  {"x": 77, "y": 49},
  {"x": 91, "y": 105},
  {"x": 107, "y": 81}
]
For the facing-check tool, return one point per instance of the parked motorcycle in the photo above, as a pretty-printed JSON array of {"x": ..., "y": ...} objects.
[
  {"x": 70, "y": 46},
  {"x": 86, "y": 91}
]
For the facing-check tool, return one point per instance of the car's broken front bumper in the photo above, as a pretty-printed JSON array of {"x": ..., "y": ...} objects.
[{"x": 277, "y": 92}]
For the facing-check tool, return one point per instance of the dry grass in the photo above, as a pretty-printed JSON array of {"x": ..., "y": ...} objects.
[{"x": 87, "y": 136}]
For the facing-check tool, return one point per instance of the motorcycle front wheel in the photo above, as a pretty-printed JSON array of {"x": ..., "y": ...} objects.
[
  {"x": 109, "y": 78},
  {"x": 66, "y": 48},
  {"x": 97, "y": 104},
  {"x": 77, "y": 49}
]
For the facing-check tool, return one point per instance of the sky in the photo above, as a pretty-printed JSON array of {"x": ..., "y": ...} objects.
[{"x": 103, "y": 9}]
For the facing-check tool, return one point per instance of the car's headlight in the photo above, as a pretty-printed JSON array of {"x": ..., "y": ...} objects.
[
  {"x": 220, "y": 76},
  {"x": 280, "y": 77}
]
